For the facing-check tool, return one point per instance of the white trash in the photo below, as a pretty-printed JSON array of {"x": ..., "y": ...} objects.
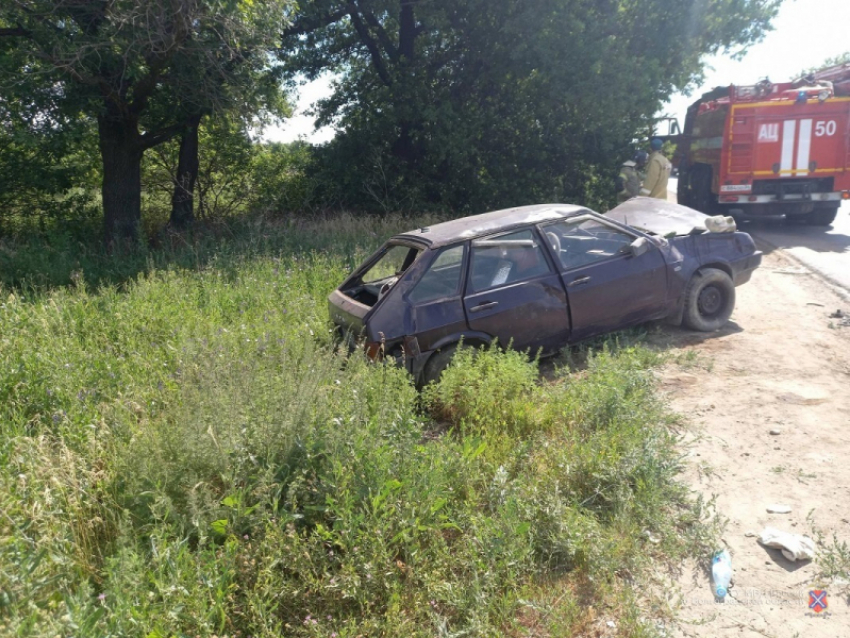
[
  {"x": 720, "y": 224},
  {"x": 794, "y": 546}
]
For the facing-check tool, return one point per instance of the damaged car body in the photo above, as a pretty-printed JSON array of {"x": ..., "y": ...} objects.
[{"x": 540, "y": 278}]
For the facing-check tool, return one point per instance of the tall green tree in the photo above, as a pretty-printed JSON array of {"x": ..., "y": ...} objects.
[
  {"x": 142, "y": 69},
  {"x": 478, "y": 103}
]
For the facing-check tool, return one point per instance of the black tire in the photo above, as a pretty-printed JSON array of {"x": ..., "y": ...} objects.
[
  {"x": 822, "y": 215},
  {"x": 437, "y": 363},
  {"x": 709, "y": 300}
]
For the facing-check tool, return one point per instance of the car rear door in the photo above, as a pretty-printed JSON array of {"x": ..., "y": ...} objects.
[
  {"x": 513, "y": 292},
  {"x": 608, "y": 287}
]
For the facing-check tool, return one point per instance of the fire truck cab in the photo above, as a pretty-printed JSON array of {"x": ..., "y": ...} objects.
[{"x": 769, "y": 150}]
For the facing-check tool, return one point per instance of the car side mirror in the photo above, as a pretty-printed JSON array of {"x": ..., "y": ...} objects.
[{"x": 639, "y": 246}]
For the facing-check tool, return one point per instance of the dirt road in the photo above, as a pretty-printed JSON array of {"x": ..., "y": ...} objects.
[{"x": 768, "y": 411}]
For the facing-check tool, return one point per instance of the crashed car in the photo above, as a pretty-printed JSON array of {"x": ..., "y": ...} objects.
[{"x": 541, "y": 277}]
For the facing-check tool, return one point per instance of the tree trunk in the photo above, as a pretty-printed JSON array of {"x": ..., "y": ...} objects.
[
  {"x": 182, "y": 201},
  {"x": 404, "y": 147},
  {"x": 407, "y": 31},
  {"x": 121, "y": 153}
]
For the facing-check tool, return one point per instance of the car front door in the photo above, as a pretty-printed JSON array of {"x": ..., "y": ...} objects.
[
  {"x": 514, "y": 294},
  {"x": 608, "y": 286}
]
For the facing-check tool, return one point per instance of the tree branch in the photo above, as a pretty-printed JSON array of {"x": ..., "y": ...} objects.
[
  {"x": 370, "y": 44},
  {"x": 307, "y": 24},
  {"x": 151, "y": 139},
  {"x": 383, "y": 38},
  {"x": 16, "y": 32}
]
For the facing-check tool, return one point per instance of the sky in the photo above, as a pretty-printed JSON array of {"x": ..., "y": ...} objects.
[{"x": 805, "y": 34}]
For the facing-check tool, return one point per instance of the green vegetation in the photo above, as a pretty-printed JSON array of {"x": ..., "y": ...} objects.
[
  {"x": 461, "y": 105},
  {"x": 182, "y": 452}
]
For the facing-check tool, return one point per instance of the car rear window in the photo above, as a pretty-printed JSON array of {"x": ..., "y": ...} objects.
[{"x": 395, "y": 261}]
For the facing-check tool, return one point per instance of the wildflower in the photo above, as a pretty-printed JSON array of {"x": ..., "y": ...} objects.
[{"x": 101, "y": 597}]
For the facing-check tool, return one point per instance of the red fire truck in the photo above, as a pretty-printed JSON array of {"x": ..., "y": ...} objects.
[{"x": 769, "y": 150}]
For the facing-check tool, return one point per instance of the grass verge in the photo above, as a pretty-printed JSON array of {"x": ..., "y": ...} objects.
[{"x": 183, "y": 453}]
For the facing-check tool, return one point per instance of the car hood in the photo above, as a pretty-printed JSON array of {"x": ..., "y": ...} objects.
[{"x": 659, "y": 217}]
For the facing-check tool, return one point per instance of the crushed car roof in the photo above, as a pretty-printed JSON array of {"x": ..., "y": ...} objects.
[
  {"x": 658, "y": 217},
  {"x": 477, "y": 225}
]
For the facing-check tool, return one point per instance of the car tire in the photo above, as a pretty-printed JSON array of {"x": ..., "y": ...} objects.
[
  {"x": 437, "y": 363},
  {"x": 709, "y": 300},
  {"x": 822, "y": 215}
]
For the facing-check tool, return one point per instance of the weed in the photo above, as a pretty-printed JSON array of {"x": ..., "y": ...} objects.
[
  {"x": 833, "y": 556},
  {"x": 182, "y": 452}
]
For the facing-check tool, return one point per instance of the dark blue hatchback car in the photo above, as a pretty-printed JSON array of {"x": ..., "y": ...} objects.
[{"x": 541, "y": 277}]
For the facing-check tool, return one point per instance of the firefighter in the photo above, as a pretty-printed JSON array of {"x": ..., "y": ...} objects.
[
  {"x": 657, "y": 172},
  {"x": 630, "y": 177}
]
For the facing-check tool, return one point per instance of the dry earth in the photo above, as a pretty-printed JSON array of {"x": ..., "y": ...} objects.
[{"x": 782, "y": 365}]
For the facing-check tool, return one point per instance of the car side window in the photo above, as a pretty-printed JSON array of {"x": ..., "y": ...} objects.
[
  {"x": 442, "y": 279},
  {"x": 585, "y": 240},
  {"x": 500, "y": 260}
]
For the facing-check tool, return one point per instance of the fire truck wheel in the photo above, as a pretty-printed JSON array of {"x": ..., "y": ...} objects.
[
  {"x": 822, "y": 215},
  {"x": 709, "y": 300}
]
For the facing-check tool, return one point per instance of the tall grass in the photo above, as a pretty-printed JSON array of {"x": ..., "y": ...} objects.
[{"x": 182, "y": 452}]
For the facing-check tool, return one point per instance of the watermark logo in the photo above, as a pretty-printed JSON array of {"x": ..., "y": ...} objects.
[{"x": 817, "y": 600}]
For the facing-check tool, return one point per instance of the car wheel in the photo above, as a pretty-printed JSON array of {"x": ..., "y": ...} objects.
[
  {"x": 709, "y": 300},
  {"x": 822, "y": 215},
  {"x": 437, "y": 363}
]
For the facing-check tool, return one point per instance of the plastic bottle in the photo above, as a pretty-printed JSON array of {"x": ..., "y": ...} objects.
[{"x": 721, "y": 573}]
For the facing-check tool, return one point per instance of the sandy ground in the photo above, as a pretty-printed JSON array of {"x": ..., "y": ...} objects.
[{"x": 781, "y": 365}]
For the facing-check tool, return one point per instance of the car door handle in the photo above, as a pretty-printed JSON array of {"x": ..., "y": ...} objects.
[
  {"x": 579, "y": 281},
  {"x": 484, "y": 306}
]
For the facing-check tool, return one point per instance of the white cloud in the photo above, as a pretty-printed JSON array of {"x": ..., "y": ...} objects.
[{"x": 301, "y": 125}]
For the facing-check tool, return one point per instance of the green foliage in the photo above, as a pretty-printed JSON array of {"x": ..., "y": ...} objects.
[
  {"x": 284, "y": 182},
  {"x": 224, "y": 183},
  {"x": 480, "y": 105},
  {"x": 48, "y": 169},
  {"x": 189, "y": 456},
  {"x": 441, "y": 106},
  {"x": 142, "y": 71},
  {"x": 487, "y": 391}
]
